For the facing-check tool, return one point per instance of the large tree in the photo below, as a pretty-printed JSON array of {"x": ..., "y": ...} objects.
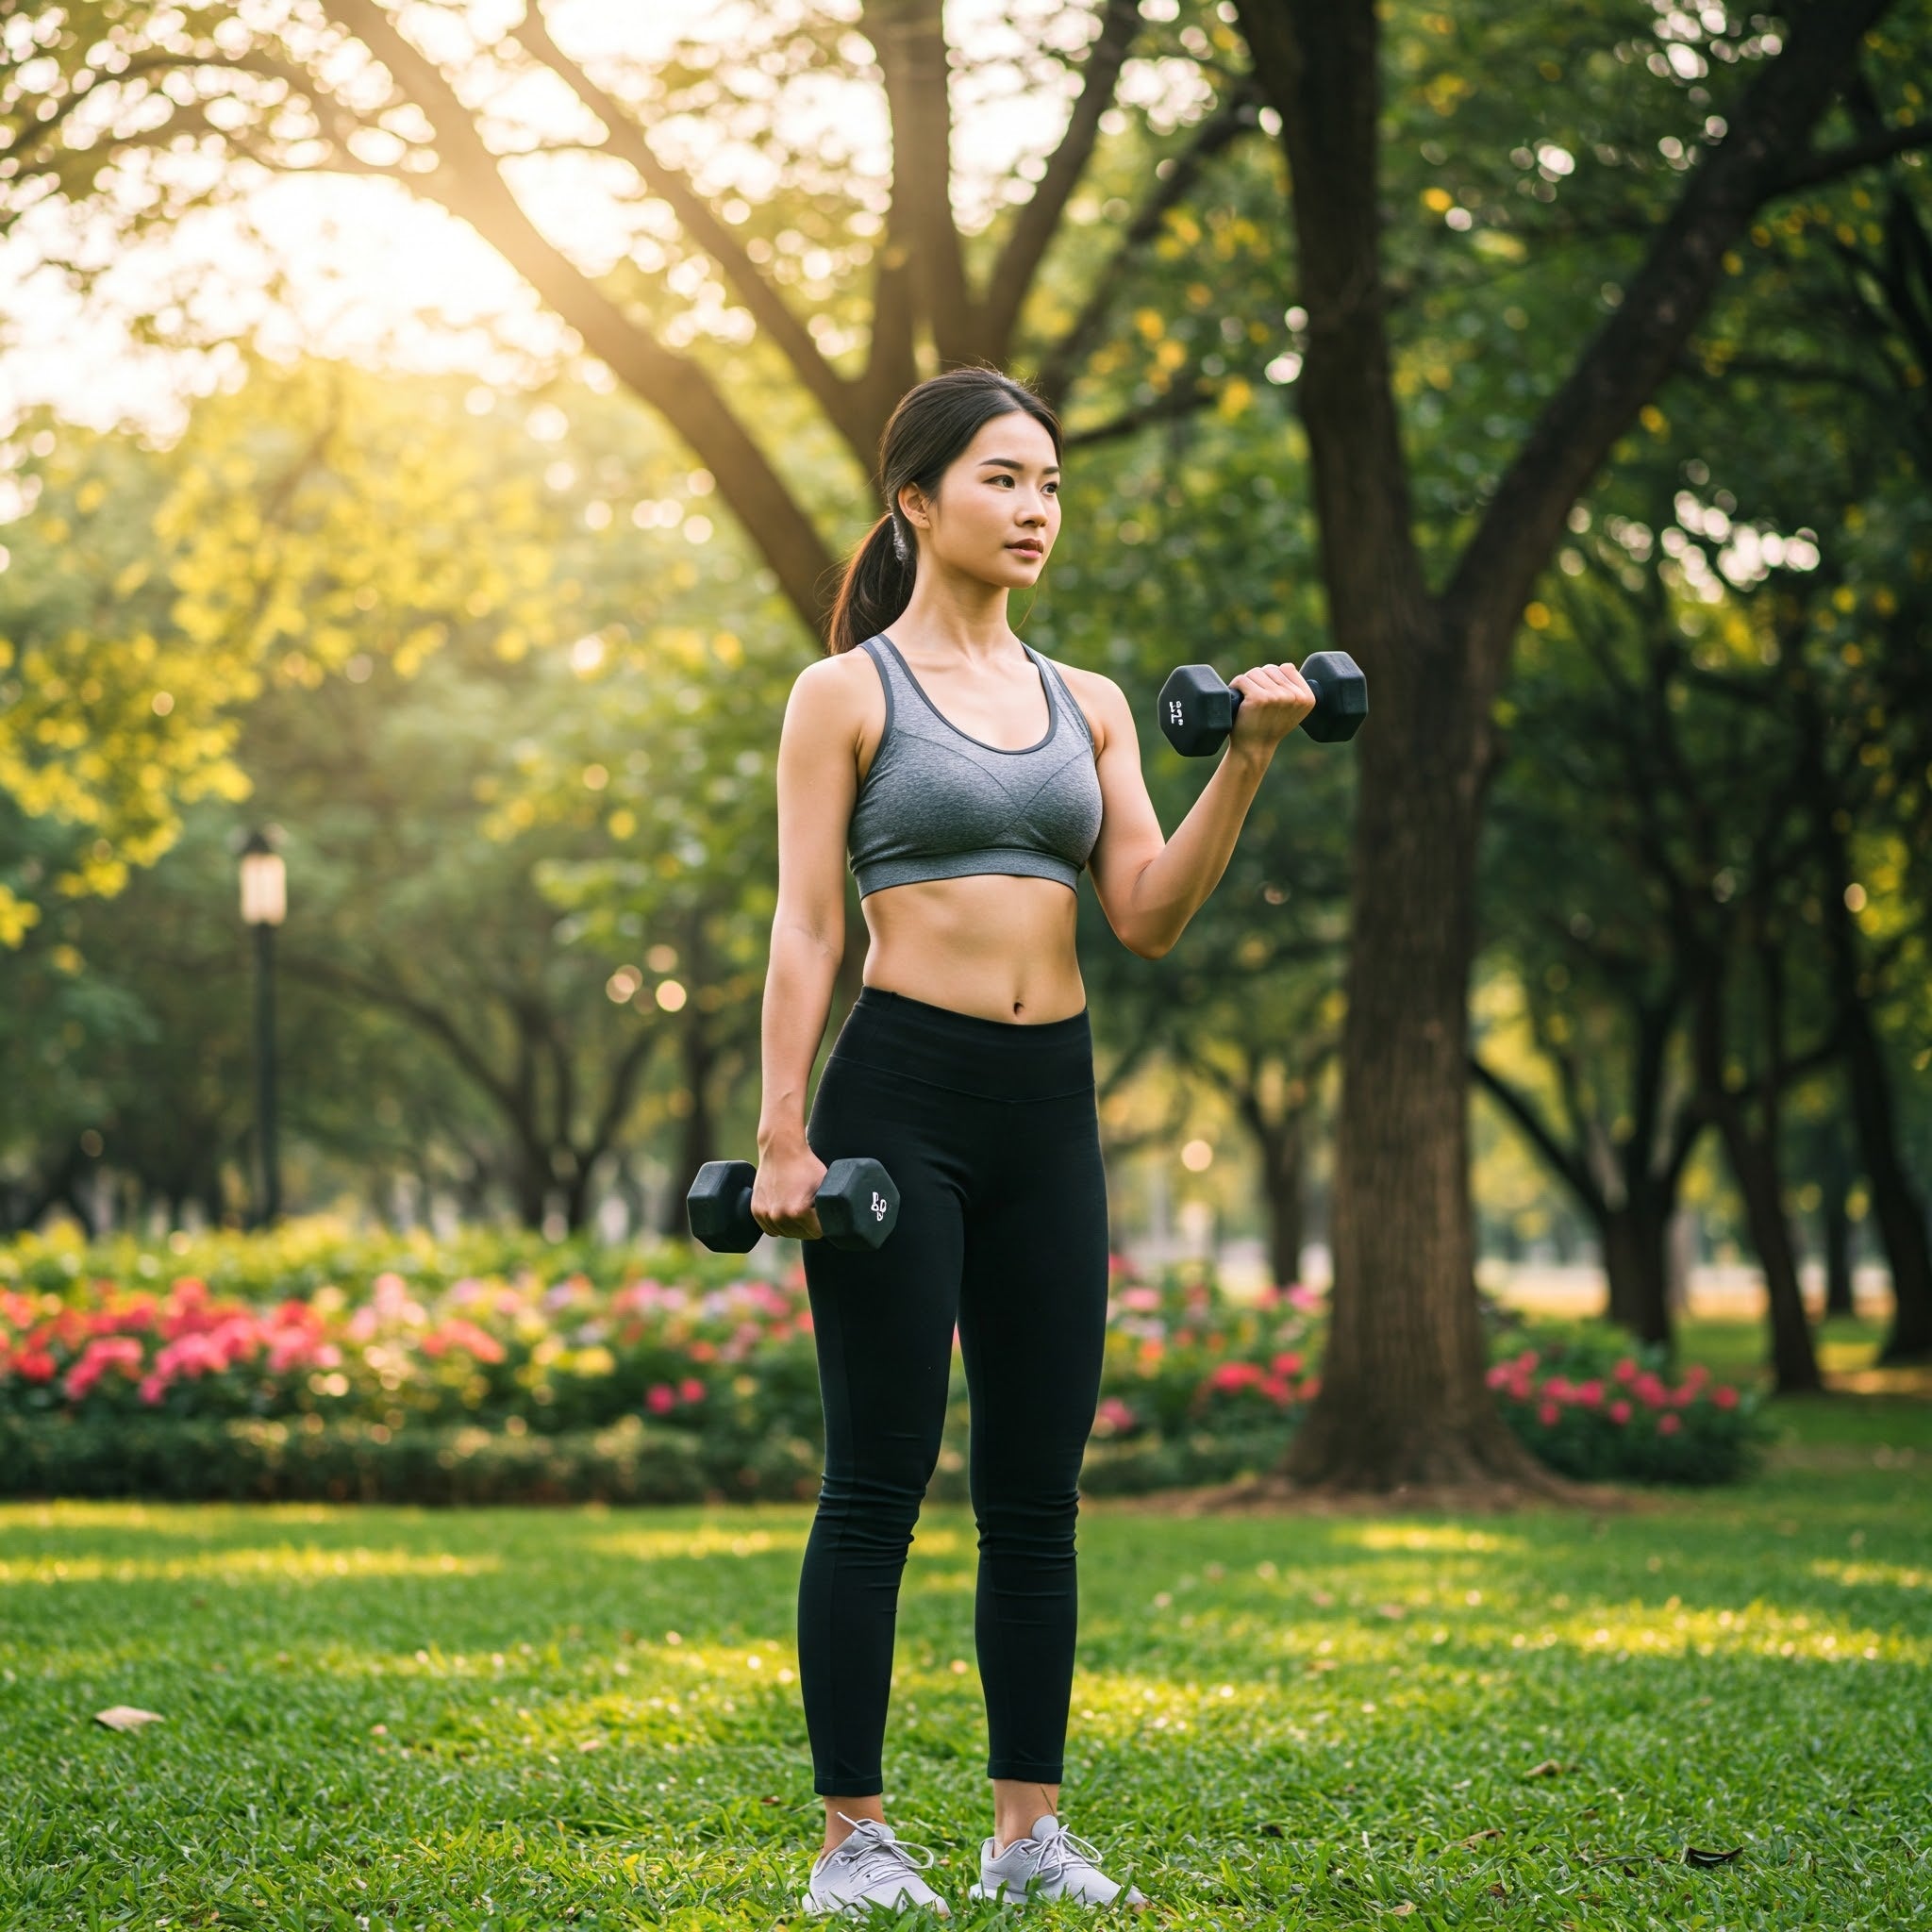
[{"x": 1402, "y": 1400}]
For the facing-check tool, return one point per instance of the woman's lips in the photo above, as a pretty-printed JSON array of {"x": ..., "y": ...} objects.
[{"x": 1027, "y": 549}]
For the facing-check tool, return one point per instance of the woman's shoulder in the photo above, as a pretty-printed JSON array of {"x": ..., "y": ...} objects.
[
  {"x": 840, "y": 695},
  {"x": 1099, "y": 697}
]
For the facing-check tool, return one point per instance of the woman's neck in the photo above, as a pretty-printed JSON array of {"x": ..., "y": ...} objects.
[{"x": 960, "y": 615}]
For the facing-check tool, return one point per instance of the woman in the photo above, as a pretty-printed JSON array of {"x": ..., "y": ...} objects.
[{"x": 969, "y": 780}]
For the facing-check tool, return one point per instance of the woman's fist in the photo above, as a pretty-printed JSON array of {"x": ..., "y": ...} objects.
[
  {"x": 783, "y": 1195},
  {"x": 1275, "y": 699}
]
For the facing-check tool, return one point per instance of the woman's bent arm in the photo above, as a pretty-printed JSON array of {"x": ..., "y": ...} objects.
[
  {"x": 1148, "y": 887},
  {"x": 1174, "y": 885}
]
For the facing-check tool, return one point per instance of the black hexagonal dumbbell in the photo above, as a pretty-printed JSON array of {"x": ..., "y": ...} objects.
[
  {"x": 858, "y": 1204},
  {"x": 1197, "y": 710}
]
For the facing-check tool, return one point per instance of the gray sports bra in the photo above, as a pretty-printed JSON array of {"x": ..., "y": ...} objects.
[{"x": 938, "y": 803}]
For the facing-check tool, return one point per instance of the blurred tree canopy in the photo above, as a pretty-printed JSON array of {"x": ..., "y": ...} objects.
[{"x": 1349, "y": 313}]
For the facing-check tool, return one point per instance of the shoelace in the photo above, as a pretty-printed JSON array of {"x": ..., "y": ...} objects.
[
  {"x": 879, "y": 1856},
  {"x": 1061, "y": 1847}
]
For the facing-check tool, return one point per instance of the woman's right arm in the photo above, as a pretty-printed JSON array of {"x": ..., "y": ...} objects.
[{"x": 817, "y": 786}]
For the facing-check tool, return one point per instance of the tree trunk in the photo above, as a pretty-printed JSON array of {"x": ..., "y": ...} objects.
[
  {"x": 629, "y": 1185},
  {"x": 1282, "y": 1149},
  {"x": 1835, "y": 1232},
  {"x": 1634, "y": 1239},
  {"x": 1403, "y": 1399},
  {"x": 1896, "y": 1205},
  {"x": 1754, "y": 1165},
  {"x": 697, "y": 1136},
  {"x": 1285, "y": 1210}
]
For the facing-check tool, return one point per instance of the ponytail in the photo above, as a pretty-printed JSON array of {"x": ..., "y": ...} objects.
[
  {"x": 876, "y": 586},
  {"x": 931, "y": 428}
]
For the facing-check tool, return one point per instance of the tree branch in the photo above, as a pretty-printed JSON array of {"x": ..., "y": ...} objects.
[
  {"x": 1038, "y": 219},
  {"x": 909, "y": 37},
  {"x": 1234, "y": 116},
  {"x": 1163, "y": 408},
  {"x": 385, "y": 991},
  {"x": 468, "y": 183},
  {"x": 1561, "y": 1161},
  {"x": 1828, "y": 164},
  {"x": 1634, "y": 349},
  {"x": 625, "y": 140}
]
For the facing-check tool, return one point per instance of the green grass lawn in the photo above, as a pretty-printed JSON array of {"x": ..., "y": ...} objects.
[{"x": 586, "y": 1718}]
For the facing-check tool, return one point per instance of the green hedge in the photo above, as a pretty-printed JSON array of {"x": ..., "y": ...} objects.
[{"x": 632, "y": 1461}]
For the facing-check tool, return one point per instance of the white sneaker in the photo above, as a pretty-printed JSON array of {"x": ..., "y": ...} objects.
[
  {"x": 1052, "y": 1863},
  {"x": 870, "y": 1868}
]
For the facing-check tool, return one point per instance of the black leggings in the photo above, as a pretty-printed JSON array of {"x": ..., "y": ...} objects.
[{"x": 989, "y": 1128}]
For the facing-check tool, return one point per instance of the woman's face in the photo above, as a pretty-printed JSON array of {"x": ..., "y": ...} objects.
[{"x": 998, "y": 506}]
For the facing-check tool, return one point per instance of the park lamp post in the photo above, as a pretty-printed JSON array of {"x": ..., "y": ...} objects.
[{"x": 264, "y": 901}]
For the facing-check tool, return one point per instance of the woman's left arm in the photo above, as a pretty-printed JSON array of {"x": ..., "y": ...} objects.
[{"x": 1150, "y": 887}]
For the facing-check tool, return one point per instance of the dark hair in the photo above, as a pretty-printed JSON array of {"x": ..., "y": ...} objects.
[{"x": 933, "y": 424}]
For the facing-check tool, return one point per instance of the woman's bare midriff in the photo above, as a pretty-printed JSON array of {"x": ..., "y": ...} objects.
[{"x": 996, "y": 945}]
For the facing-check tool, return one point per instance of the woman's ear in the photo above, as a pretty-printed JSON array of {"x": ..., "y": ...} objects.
[{"x": 914, "y": 507}]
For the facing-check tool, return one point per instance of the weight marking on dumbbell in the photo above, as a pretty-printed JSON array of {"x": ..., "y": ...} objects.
[
  {"x": 1175, "y": 713},
  {"x": 879, "y": 1207}
]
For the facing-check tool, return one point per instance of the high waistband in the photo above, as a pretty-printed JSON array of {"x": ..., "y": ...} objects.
[{"x": 994, "y": 1059}]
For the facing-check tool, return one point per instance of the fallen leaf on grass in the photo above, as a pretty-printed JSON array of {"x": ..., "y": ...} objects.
[
  {"x": 1693, "y": 1856},
  {"x": 1548, "y": 1768},
  {"x": 126, "y": 1717},
  {"x": 1476, "y": 1838},
  {"x": 1273, "y": 1831},
  {"x": 1497, "y": 1891},
  {"x": 592, "y": 1744}
]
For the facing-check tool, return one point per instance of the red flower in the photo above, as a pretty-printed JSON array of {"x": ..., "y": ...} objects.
[
  {"x": 1620, "y": 1412},
  {"x": 1230, "y": 1376},
  {"x": 691, "y": 1389},
  {"x": 1724, "y": 1396},
  {"x": 1668, "y": 1424},
  {"x": 1548, "y": 1414},
  {"x": 1290, "y": 1364},
  {"x": 98, "y": 1359},
  {"x": 660, "y": 1398}
]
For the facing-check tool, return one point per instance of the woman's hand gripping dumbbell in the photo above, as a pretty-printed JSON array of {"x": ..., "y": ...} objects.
[
  {"x": 856, "y": 1204},
  {"x": 1197, "y": 710}
]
